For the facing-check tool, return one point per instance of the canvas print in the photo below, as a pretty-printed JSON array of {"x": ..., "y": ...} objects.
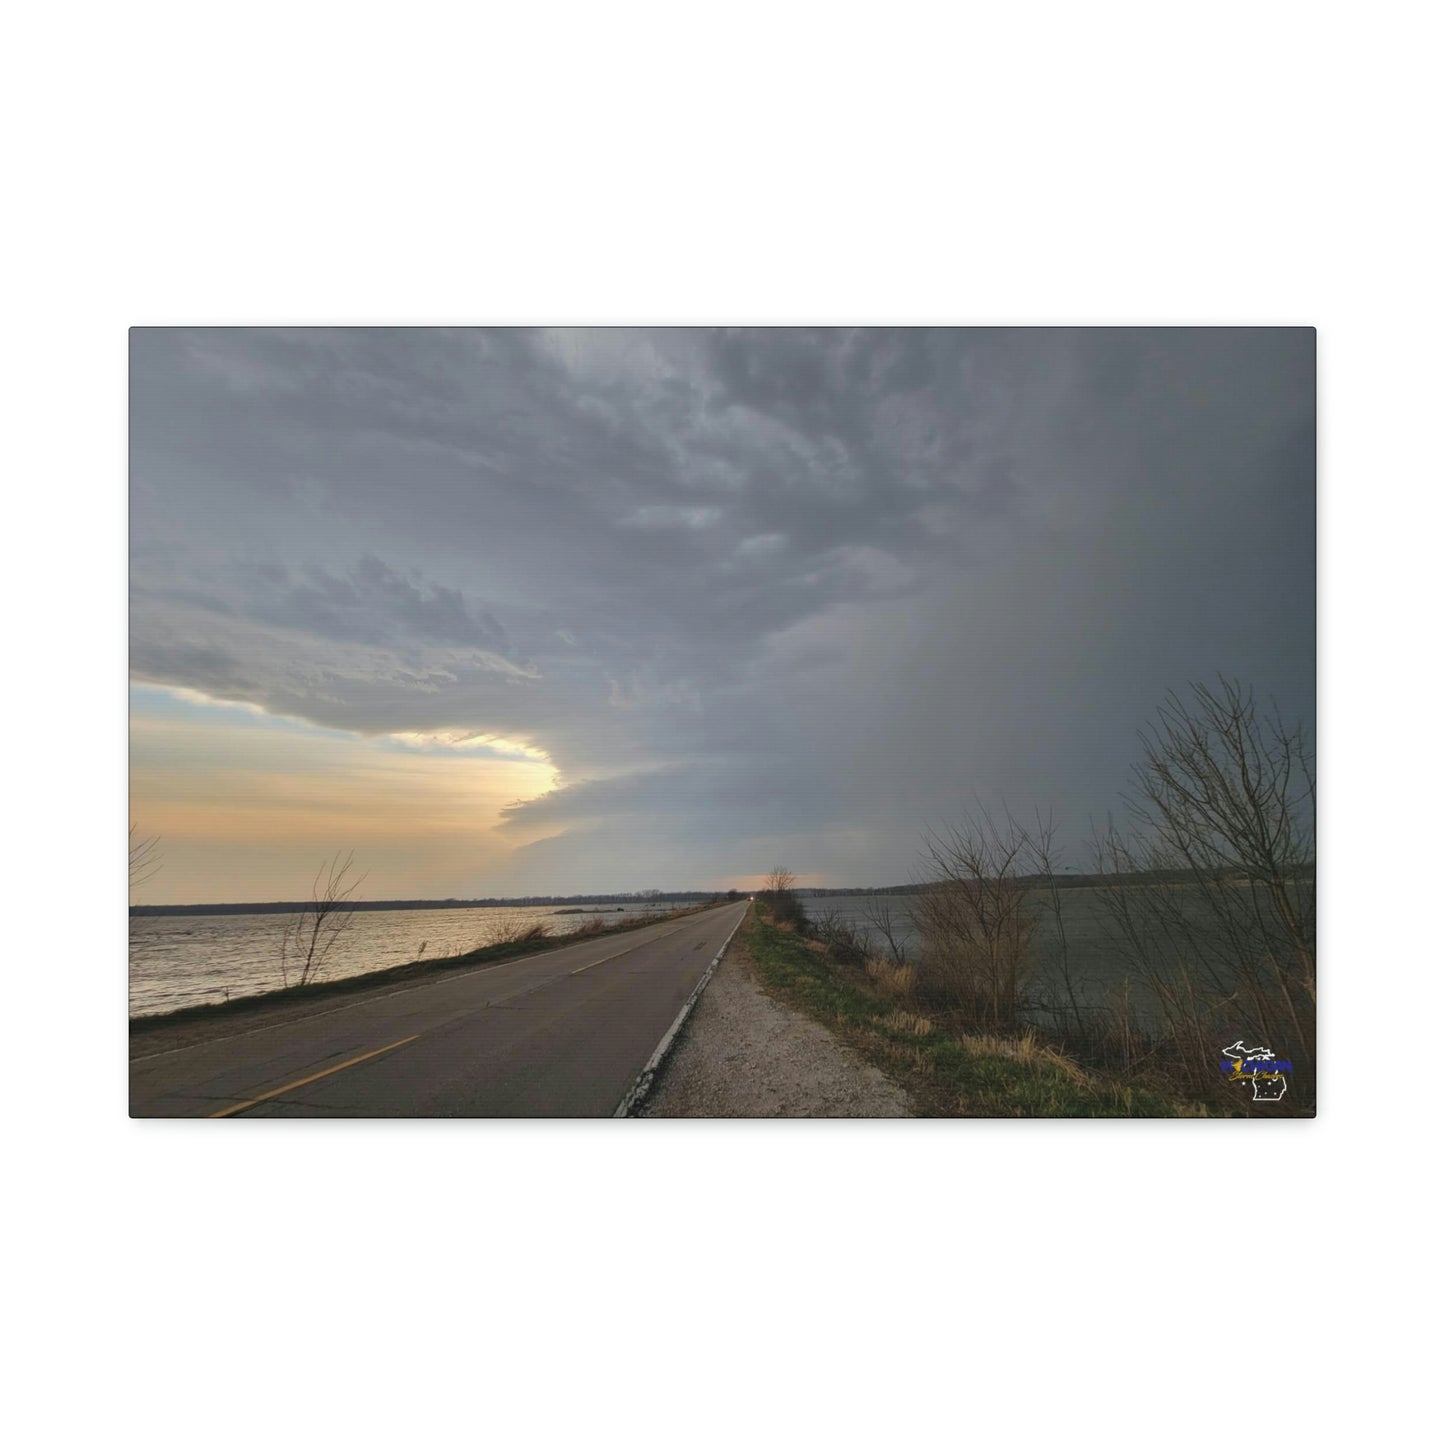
[{"x": 717, "y": 723}]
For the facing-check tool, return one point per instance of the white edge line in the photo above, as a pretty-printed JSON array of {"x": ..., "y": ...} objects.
[{"x": 642, "y": 1084}]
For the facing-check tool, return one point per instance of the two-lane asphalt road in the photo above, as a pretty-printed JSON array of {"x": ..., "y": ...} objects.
[{"x": 560, "y": 1034}]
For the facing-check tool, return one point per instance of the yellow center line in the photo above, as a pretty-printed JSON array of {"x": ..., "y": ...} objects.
[{"x": 310, "y": 1079}]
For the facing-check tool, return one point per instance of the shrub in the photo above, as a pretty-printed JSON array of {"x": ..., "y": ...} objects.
[
  {"x": 846, "y": 941},
  {"x": 975, "y": 926},
  {"x": 518, "y": 930},
  {"x": 782, "y": 903}
]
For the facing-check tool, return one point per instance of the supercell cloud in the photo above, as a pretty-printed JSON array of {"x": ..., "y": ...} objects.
[{"x": 756, "y": 596}]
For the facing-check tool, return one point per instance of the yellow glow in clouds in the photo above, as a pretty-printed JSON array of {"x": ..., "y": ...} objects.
[{"x": 246, "y": 810}]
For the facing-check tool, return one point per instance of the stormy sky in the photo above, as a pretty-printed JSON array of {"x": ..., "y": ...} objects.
[{"x": 514, "y": 612}]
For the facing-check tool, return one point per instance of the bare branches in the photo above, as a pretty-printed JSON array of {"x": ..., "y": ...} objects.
[
  {"x": 848, "y": 942},
  {"x": 145, "y": 858},
  {"x": 780, "y": 880},
  {"x": 1224, "y": 798},
  {"x": 878, "y": 914},
  {"x": 310, "y": 935},
  {"x": 781, "y": 900},
  {"x": 520, "y": 930},
  {"x": 976, "y": 926},
  {"x": 1225, "y": 787}
]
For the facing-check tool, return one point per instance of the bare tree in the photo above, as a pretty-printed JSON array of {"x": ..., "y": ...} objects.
[
  {"x": 780, "y": 880},
  {"x": 976, "y": 926},
  {"x": 878, "y": 914},
  {"x": 781, "y": 900},
  {"x": 145, "y": 858},
  {"x": 1221, "y": 922},
  {"x": 310, "y": 935}
]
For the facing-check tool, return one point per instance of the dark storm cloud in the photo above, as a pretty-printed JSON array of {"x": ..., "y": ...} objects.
[
  {"x": 760, "y": 590},
  {"x": 375, "y": 605}
]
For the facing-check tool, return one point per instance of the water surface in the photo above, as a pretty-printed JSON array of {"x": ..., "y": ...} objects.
[{"x": 177, "y": 960}]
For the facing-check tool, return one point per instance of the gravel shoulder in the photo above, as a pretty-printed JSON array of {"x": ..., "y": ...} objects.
[{"x": 742, "y": 1055}]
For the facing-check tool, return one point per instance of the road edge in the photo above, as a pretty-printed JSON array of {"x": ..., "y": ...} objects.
[{"x": 636, "y": 1096}]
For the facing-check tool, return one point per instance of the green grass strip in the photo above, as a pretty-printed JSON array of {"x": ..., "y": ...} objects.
[{"x": 944, "y": 1075}]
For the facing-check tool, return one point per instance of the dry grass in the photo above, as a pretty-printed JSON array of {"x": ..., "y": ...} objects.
[
  {"x": 1026, "y": 1049},
  {"x": 907, "y": 1023},
  {"x": 896, "y": 980},
  {"x": 908, "y": 1057},
  {"x": 518, "y": 930}
]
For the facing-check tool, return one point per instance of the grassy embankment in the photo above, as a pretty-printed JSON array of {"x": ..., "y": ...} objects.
[
  {"x": 534, "y": 938},
  {"x": 946, "y": 1071}
]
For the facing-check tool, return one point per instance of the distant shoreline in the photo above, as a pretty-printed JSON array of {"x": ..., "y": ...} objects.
[
  {"x": 157, "y": 910},
  {"x": 694, "y": 895}
]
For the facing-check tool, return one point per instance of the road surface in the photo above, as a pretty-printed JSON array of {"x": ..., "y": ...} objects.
[{"x": 561, "y": 1034}]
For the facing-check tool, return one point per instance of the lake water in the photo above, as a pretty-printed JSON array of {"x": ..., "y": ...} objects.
[
  {"x": 1097, "y": 965},
  {"x": 1094, "y": 961},
  {"x": 177, "y": 960}
]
